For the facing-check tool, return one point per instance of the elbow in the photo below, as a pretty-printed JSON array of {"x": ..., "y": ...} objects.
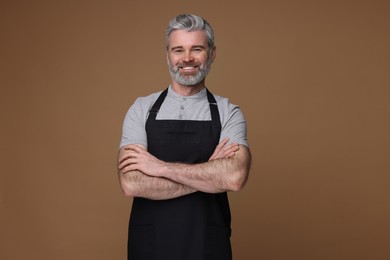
[
  {"x": 240, "y": 176},
  {"x": 128, "y": 190},
  {"x": 238, "y": 180},
  {"x": 241, "y": 172},
  {"x": 128, "y": 193}
]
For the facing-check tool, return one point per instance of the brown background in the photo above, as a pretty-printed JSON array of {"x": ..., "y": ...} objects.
[{"x": 312, "y": 78}]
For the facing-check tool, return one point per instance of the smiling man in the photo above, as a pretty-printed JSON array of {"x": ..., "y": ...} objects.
[{"x": 182, "y": 150}]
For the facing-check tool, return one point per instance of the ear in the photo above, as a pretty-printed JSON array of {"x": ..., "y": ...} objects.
[
  {"x": 213, "y": 54},
  {"x": 167, "y": 58}
]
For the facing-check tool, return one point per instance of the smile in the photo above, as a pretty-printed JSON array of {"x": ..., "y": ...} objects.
[{"x": 187, "y": 68}]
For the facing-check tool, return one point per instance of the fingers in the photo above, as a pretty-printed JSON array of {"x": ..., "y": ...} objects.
[
  {"x": 128, "y": 156},
  {"x": 130, "y": 151},
  {"x": 230, "y": 150},
  {"x": 130, "y": 148},
  {"x": 224, "y": 150},
  {"x": 223, "y": 142},
  {"x": 127, "y": 168},
  {"x": 219, "y": 147},
  {"x": 133, "y": 157},
  {"x": 125, "y": 162},
  {"x": 134, "y": 147},
  {"x": 232, "y": 147}
]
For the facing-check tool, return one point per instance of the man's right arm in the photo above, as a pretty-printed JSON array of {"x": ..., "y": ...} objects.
[{"x": 138, "y": 184}]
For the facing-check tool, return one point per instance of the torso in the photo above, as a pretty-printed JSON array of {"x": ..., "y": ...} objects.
[{"x": 191, "y": 227}]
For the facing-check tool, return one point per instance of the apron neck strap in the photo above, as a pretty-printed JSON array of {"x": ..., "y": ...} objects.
[
  {"x": 156, "y": 106},
  {"x": 213, "y": 107}
]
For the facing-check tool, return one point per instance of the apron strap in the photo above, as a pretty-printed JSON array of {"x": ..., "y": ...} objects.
[
  {"x": 213, "y": 109},
  {"x": 156, "y": 106}
]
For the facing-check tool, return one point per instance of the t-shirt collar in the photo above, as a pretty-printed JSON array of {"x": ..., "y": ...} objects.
[{"x": 201, "y": 94}]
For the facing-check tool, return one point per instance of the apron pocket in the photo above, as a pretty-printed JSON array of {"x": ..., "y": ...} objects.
[
  {"x": 141, "y": 243},
  {"x": 218, "y": 243}
]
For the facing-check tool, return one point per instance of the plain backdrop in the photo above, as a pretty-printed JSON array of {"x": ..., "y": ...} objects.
[{"x": 312, "y": 78}]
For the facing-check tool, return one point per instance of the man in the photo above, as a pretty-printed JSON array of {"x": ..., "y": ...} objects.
[{"x": 182, "y": 150}]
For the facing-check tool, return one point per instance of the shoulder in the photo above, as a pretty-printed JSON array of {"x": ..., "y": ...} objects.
[
  {"x": 225, "y": 105},
  {"x": 232, "y": 121},
  {"x": 147, "y": 100},
  {"x": 230, "y": 113},
  {"x": 143, "y": 104}
]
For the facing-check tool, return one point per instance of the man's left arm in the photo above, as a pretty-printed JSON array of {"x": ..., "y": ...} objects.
[{"x": 226, "y": 174}]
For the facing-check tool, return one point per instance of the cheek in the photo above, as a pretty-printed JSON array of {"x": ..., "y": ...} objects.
[
  {"x": 203, "y": 59},
  {"x": 174, "y": 62},
  {"x": 173, "y": 58}
]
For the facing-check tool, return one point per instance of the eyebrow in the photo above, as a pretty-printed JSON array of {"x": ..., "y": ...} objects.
[
  {"x": 199, "y": 46},
  {"x": 176, "y": 47}
]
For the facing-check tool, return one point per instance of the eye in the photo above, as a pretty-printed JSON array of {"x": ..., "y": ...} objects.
[{"x": 177, "y": 51}]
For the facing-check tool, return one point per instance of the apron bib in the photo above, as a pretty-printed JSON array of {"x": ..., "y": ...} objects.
[{"x": 191, "y": 227}]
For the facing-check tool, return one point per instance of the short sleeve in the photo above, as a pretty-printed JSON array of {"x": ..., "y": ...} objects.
[
  {"x": 234, "y": 125},
  {"x": 133, "y": 129}
]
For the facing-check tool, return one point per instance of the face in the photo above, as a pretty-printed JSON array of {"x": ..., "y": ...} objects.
[{"x": 189, "y": 57}]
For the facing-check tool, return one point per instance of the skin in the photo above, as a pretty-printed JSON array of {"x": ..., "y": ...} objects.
[
  {"x": 143, "y": 175},
  {"x": 136, "y": 183},
  {"x": 189, "y": 48}
]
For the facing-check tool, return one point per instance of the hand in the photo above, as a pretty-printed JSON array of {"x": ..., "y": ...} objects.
[
  {"x": 135, "y": 157},
  {"x": 224, "y": 151}
]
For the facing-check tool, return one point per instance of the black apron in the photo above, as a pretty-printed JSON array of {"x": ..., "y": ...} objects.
[{"x": 191, "y": 227}]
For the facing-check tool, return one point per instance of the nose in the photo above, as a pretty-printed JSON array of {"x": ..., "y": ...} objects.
[{"x": 187, "y": 57}]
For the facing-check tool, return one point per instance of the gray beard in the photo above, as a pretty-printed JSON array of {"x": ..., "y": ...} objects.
[{"x": 189, "y": 80}]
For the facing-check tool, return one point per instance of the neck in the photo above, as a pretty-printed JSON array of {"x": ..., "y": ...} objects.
[{"x": 183, "y": 90}]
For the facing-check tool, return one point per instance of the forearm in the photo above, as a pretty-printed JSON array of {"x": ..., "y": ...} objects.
[
  {"x": 138, "y": 184},
  {"x": 226, "y": 174}
]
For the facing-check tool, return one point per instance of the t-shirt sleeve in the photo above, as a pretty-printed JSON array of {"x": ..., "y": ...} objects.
[
  {"x": 133, "y": 129},
  {"x": 234, "y": 125}
]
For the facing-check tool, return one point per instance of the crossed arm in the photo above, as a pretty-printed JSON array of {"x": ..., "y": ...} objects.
[{"x": 143, "y": 175}]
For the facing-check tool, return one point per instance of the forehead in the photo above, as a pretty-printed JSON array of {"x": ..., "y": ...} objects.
[{"x": 185, "y": 38}]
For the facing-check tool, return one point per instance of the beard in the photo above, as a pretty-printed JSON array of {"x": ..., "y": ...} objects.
[{"x": 189, "y": 80}]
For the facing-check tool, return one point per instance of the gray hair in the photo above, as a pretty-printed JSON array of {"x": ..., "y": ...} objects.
[{"x": 190, "y": 22}]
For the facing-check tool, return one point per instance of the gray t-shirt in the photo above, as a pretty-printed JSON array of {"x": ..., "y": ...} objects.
[{"x": 177, "y": 107}]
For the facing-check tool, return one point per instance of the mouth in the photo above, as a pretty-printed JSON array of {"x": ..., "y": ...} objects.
[
  {"x": 191, "y": 66},
  {"x": 188, "y": 68}
]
